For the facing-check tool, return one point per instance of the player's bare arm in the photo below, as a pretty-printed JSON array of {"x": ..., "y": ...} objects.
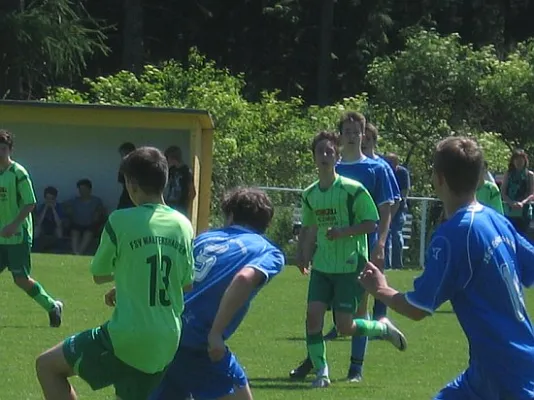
[
  {"x": 363, "y": 228},
  {"x": 235, "y": 297},
  {"x": 11, "y": 228},
  {"x": 377, "y": 256},
  {"x": 375, "y": 283},
  {"x": 306, "y": 247}
]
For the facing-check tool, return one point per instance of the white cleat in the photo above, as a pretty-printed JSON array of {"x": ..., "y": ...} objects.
[
  {"x": 321, "y": 382},
  {"x": 394, "y": 335}
]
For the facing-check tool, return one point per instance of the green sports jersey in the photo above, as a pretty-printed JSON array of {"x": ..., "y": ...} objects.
[
  {"x": 16, "y": 191},
  {"x": 344, "y": 204},
  {"x": 149, "y": 250},
  {"x": 490, "y": 195}
]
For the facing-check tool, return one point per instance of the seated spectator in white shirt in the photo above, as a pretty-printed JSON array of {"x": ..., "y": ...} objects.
[
  {"x": 48, "y": 223},
  {"x": 86, "y": 216}
]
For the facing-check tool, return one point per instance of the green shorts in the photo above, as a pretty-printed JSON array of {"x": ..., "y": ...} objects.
[
  {"x": 91, "y": 356},
  {"x": 341, "y": 291},
  {"x": 16, "y": 258}
]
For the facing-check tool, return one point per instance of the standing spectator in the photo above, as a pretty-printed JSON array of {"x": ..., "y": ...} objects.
[
  {"x": 125, "y": 201},
  {"x": 395, "y": 239},
  {"x": 49, "y": 223},
  {"x": 87, "y": 215},
  {"x": 180, "y": 190},
  {"x": 517, "y": 191}
]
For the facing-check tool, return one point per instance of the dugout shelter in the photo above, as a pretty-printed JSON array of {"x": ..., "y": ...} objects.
[{"x": 62, "y": 143}]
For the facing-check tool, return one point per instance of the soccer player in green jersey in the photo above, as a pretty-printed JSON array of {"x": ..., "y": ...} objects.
[
  {"x": 488, "y": 193},
  {"x": 338, "y": 213},
  {"x": 17, "y": 201},
  {"x": 147, "y": 251}
]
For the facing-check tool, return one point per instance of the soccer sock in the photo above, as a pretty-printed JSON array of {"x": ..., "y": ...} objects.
[
  {"x": 40, "y": 296},
  {"x": 370, "y": 328},
  {"x": 316, "y": 350},
  {"x": 357, "y": 351},
  {"x": 379, "y": 310}
]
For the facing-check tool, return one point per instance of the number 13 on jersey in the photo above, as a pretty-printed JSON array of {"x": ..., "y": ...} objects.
[{"x": 157, "y": 293}]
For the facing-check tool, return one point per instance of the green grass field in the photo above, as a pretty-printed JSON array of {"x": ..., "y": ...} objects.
[{"x": 269, "y": 343}]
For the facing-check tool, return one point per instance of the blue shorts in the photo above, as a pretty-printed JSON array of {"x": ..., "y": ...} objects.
[
  {"x": 474, "y": 385},
  {"x": 193, "y": 374}
]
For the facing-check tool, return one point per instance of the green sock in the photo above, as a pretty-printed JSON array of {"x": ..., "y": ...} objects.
[
  {"x": 316, "y": 350},
  {"x": 370, "y": 328},
  {"x": 40, "y": 296}
]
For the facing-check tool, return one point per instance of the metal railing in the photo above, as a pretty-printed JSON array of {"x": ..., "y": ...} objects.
[{"x": 423, "y": 217}]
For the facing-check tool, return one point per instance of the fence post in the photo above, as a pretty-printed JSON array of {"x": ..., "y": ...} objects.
[{"x": 422, "y": 234}]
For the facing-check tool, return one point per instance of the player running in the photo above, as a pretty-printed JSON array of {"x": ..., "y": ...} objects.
[
  {"x": 231, "y": 265},
  {"x": 17, "y": 201},
  {"x": 373, "y": 176},
  {"x": 479, "y": 262},
  {"x": 147, "y": 251},
  {"x": 338, "y": 213}
]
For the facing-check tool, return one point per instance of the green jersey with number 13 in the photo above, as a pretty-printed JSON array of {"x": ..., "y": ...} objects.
[{"x": 149, "y": 251}]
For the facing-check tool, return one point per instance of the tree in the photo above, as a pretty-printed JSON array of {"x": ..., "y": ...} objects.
[{"x": 44, "y": 42}]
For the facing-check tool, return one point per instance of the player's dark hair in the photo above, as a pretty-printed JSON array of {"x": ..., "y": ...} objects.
[
  {"x": 84, "y": 182},
  {"x": 460, "y": 160},
  {"x": 51, "y": 190},
  {"x": 324, "y": 135},
  {"x": 126, "y": 147},
  {"x": 370, "y": 128},
  {"x": 351, "y": 116},
  {"x": 148, "y": 168},
  {"x": 517, "y": 153},
  {"x": 6, "y": 137},
  {"x": 174, "y": 153},
  {"x": 249, "y": 207}
]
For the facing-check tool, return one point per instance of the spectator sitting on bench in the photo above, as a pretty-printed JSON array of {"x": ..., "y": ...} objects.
[
  {"x": 86, "y": 214},
  {"x": 49, "y": 223}
]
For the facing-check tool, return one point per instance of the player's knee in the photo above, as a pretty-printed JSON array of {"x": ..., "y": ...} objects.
[
  {"x": 42, "y": 364},
  {"x": 344, "y": 328},
  {"x": 313, "y": 322},
  {"x": 23, "y": 282}
]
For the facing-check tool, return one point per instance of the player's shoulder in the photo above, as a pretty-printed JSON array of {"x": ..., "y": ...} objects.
[
  {"x": 19, "y": 169},
  {"x": 491, "y": 186},
  {"x": 350, "y": 185},
  {"x": 130, "y": 216},
  {"x": 310, "y": 188}
]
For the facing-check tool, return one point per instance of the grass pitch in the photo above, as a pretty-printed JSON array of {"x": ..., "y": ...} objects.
[{"x": 269, "y": 343}]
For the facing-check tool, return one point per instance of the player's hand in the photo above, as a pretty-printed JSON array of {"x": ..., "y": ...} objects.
[
  {"x": 378, "y": 256},
  {"x": 216, "y": 347},
  {"x": 9, "y": 230},
  {"x": 111, "y": 298},
  {"x": 304, "y": 270},
  {"x": 334, "y": 233},
  {"x": 372, "y": 279}
]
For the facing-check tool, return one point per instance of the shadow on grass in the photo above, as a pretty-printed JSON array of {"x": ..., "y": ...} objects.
[
  {"x": 279, "y": 383},
  {"x": 24, "y": 327},
  {"x": 444, "y": 311}
]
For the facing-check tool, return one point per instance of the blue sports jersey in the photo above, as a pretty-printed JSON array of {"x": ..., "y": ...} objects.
[
  {"x": 479, "y": 262},
  {"x": 392, "y": 179},
  {"x": 219, "y": 255},
  {"x": 374, "y": 177}
]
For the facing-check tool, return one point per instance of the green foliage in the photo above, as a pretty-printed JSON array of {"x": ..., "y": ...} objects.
[{"x": 436, "y": 86}]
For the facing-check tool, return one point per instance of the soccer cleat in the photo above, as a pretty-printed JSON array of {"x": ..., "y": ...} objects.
[
  {"x": 55, "y": 315},
  {"x": 394, "y": 335},
  {"x": 320, "y": 382},
  {"x": 302, "y": 370},
  {"x": 331, "y": 335},
  {"x": 354, "y": 375}
]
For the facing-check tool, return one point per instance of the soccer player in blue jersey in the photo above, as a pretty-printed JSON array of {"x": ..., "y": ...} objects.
[
  {"x": 231, "y": 265},
  {"x": 373, "y": 175},
  {"x": 479, "y": 262},
  {"x": 369, "y": 144}
]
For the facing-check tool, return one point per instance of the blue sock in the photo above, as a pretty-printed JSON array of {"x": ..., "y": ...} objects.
[
  {"x": 357, "y": 351},
  {"x": 379, "y": 310}
]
